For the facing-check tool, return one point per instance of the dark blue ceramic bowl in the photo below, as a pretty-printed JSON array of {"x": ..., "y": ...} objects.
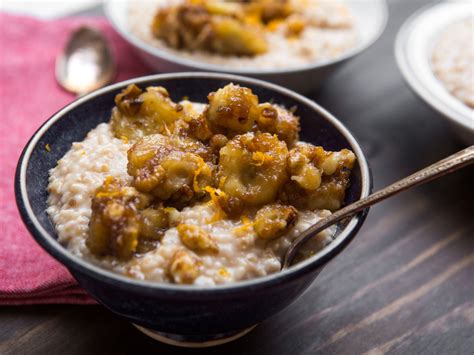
[{"x": 182, "y": 312}]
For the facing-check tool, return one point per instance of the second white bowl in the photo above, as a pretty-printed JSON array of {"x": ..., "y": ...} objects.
[
  {"x": 370, "y": 16},
  {"x": 413, "y": 49}
]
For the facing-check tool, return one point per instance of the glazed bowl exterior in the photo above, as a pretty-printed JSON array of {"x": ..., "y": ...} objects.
[
  {"x": 196, "y": 312},
  {"x": 370, "y": 18}
]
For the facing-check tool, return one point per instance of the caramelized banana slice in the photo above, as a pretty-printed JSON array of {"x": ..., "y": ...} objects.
[
  {"x": 233, "y": 37},
  {"x": 196, "y": 238},
  {"x": 274, "y": 10},
  {"x": 183, "y": 268},
  {"x": 223, "y": 7},
  {"x": 274, "y": 221},
  {"x": 215, "y": 27},
  {"x": 278, "y": 120},
  {"x": 153, "y": 222},
  {"x": 252, "y": 168},
  {"x": 171, "y": 168},
  {"x": 232, "y": 110},
  {"x": 114, "y": 227},
  {"x": 139, "y": 113},
  {"x": 318, "y": 178}
]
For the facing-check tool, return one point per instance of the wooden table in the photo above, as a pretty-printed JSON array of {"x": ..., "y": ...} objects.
[{"x": 404, "y": 285}]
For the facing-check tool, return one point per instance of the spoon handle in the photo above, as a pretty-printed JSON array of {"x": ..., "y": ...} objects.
[{"x": 443, "y": 167}]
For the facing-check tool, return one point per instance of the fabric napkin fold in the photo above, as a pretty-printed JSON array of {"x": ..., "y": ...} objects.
[{"x": 29, "y": 95}]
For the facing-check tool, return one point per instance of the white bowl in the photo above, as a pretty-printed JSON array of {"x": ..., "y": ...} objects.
[
  {"x": 370, "y": 16},
  {"x": 413, "y": 48}
]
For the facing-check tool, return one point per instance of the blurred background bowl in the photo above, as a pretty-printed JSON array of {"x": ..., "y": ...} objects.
[
  {"x": 370, "y": 20},
  {"x": 413, "y": 48}
]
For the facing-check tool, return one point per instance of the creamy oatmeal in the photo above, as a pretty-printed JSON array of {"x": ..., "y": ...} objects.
[
  {"x": 453, "y": 60},
  {"x": 193, "y": 193},
  {"x": 278, "y": 34}
]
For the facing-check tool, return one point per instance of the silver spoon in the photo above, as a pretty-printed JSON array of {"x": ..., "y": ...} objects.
[
  {"x": 454, "y": 162},
  {"x": 86, "y": 63}
]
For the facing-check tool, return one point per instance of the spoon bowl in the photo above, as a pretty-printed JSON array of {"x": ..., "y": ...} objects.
[{"x": 87, "y": 63}]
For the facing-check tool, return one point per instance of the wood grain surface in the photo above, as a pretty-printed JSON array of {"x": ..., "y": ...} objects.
[{"x": 405, "y": 285}]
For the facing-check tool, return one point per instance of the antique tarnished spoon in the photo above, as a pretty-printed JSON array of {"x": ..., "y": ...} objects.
[{"x": 87, "y": 63}]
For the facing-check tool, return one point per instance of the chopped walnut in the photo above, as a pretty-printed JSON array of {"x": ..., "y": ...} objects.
[
  {"x": 196, "y": 238},
  {"x": 183, "y": 267},
  {"x": 274, "y": 221}
]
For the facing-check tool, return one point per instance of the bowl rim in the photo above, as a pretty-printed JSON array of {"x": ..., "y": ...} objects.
[
  {"x": 208, "y": 67},
  {"x": 417, "y": 84},
  {"x": 76, "y": 263}
]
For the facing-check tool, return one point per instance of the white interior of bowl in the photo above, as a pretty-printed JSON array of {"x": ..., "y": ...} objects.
[
  {"x": 414, "y": 47},
  {"x": 370, "y": 17}
]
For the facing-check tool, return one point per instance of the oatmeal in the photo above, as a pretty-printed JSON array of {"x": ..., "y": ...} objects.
[
  {"x": 453, "y": 60},
  {"x": 191, "y": 193},
  {"x": 257, "y": 34}
]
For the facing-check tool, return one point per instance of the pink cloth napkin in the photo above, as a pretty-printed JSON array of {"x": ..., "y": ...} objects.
[{"x": 28, "y": 96}]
